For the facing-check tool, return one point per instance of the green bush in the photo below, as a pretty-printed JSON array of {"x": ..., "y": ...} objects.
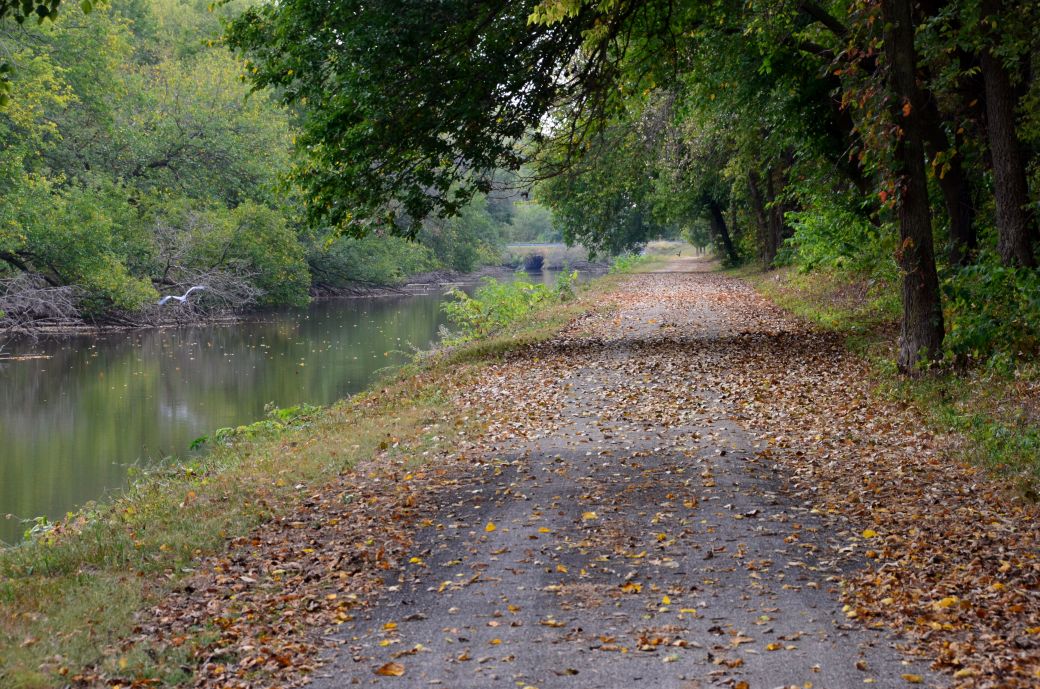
[
  {"x": 531, "y": 222},
  {"x": 494, "y": 305},
  {"x": 464, "y": 242},
  {"x": 255, "y": 240},
  {"x": 993, "y": 313},
  {"x": 564, "y": 289},
  {"x": 834, "y": 233},
  {"x": 80, "y": 235},
  {"x": 375, "y": 260},
  {"x": 625, "y": 263}
]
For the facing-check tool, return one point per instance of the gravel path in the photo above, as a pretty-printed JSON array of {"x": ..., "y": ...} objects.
[{"x": 621, "y": 532}]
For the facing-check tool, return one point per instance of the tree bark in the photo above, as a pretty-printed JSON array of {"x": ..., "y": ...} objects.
[
  {"x": 758, "y": 208},
  {"x": 1014, "y": 225},
  {"x": 778, "y": 227},
  {"x": 955, "y": 186},
  {"x": 718, "y": 226},
  {"x": 922, "y": 330}
]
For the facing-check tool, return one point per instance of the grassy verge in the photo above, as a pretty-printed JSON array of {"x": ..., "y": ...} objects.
[
  {"x": 995, "y": 414},
  {"x": 70, "y": 595}
]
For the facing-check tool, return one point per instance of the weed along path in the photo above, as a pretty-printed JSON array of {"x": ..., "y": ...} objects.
[
  {"x": 684, "y": 487},
  {"x": 624, "y": 529}
]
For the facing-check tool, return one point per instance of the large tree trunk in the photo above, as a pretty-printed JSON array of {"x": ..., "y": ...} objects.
[
  {"x": 758, "y": 209},
  {"x": 955, "y": 186},
  {"x": 1014, "y": 225},
  {"x": 779, "y": 229},
  {"x": 718, "y": 227},
  {"x": 922, "y": 331}
]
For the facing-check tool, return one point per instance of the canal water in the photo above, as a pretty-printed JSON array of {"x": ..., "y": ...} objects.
[{"x": 74, "y": 422}]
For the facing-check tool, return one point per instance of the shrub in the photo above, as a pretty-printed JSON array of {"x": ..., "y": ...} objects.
[
  {"x": 376, "y": 260},
  {"x": 993, "y": 313},
  {"x": 566, "y": 281},
  {"x": 625, "y": 263},
  {"x": 464, "y": 242},
  {"x": 494, "y": 305},
  {"x": 834, "y": 233}
]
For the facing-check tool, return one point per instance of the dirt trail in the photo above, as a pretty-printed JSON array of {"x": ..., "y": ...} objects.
[{"x": 623, "y": 528}]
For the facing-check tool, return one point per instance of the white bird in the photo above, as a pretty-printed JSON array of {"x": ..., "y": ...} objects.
[{"x": 182, "y": 298}]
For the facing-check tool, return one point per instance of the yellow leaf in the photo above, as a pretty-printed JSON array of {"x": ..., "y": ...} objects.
[
  {"x": 561, "y": 568},
  {"x": 869, "y": 533},
  {"x": 544, "y": 530},
  {"x": 947, "y": 602},
  {"x": 490, "y": 527},
  {"x": 666, "y": 600},
  {"x": 589, "y": 516},
  {"x": 912, "y": 679},
  {"x": 774, "y": 646},
  {"x": 391, "y": 670},
  {"x": 495, "y": 642},
  {"x": 631, "y": 587},
  {"x": 390, "y": 626}
]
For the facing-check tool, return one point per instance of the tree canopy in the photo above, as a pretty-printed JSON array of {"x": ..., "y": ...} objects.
[
  {"x": 138, "y": 161},
  {"x": 893, "y": 135}
]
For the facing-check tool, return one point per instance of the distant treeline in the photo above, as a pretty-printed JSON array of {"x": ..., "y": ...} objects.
[{"x": 137, "y": 162}]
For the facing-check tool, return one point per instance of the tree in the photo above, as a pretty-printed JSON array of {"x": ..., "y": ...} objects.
[
  {"x": 1016, "y": 228},
  {"x": 470, "y": 80},
  {"x": 870, "y": 115},
  {"x": 922, "y": 329}
]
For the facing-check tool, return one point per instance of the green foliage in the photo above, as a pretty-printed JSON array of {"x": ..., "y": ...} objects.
[
  {"x": 531, "y": 222},
  {"x": 606, "y": 204},
  {"x": 565, "y": 288},
  {"x": 79, "y": 235},
  {"x": 278, "y": 420},
  {"x": 993, "y": 314},
  {"x": 258, "y": 239},
  {"x": 625, "y": 263},
  {"x": 833, "y": 232},
  {"x": 374, "y": 260},
  {"x": 135, "y": 155},
  {"x": 494, "y": 305},
  {"x": 382, "y": 156},
  {"x": 466, "y": 241}
]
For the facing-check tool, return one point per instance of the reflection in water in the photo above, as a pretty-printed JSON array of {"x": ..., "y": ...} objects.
[{"x": 72, "y": 424}]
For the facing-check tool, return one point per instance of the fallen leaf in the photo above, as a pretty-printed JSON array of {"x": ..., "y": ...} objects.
[{"x": 390, "y": 670}]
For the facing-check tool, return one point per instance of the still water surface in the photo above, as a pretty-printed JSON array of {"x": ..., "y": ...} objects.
[{"x": 73, "y": 424}]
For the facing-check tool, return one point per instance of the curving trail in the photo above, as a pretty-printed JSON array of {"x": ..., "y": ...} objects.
[{"x": 623, "y": 527}]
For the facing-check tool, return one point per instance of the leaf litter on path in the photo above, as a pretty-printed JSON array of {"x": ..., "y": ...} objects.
[{"x": 636, "y": 430}]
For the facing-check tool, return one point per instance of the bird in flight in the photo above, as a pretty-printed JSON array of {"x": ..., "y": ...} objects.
[{"x": 183, "y": 298}]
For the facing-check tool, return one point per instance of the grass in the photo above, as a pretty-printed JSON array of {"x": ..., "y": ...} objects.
[
  {"x": 68, "y": 596},
  {"x": 995, "y": 415}
]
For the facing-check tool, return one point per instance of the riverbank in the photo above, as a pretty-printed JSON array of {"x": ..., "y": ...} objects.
[
  {"x": 71, "y": 598},
  {"x": 423, "y": 283},
  {"x": 177, "y": 315}
]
